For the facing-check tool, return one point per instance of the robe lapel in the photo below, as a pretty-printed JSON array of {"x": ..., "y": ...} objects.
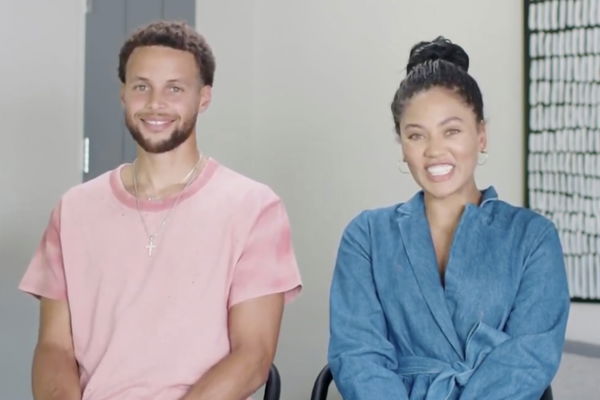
[{"x": 417, "y": 241}]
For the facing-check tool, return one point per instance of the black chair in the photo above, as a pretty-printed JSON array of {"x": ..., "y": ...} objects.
[
  {"x": 273, "y": 384},
  {"x": 321, "y": 386},
  {"x": 547, "y": 394}
]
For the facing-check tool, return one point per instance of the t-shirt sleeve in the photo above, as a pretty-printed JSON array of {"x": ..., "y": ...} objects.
[
  {"x": 45, "y": 275},
  {"x": 267, "y": 264}
]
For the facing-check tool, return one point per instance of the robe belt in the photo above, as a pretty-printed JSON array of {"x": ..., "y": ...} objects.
[
  {"x": 447, "y": 375},
  {"x": 482, "y": 339}
]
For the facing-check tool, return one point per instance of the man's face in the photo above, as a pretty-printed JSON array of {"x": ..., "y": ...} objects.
[{"x": 162, "y": 96}]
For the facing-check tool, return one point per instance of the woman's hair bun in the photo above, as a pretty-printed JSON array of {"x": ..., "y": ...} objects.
[{"x": 438, "y": 49}]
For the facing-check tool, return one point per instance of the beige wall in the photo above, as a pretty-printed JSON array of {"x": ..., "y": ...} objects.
[
  {"x": 42, "y": 109},
  {"x": 301, "y": 102}
]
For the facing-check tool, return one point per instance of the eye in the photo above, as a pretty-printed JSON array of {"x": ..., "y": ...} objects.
[
  {"x": 140, "y": 87},
  {"x": 452, "y": 131},
  {"x": 414, "y": 136},
  {"x": 175, "y": 89}
]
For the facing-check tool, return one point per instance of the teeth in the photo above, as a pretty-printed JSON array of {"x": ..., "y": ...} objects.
[
  {"x": 157, "y": 122},
  {"x": 438, "y": 170}
]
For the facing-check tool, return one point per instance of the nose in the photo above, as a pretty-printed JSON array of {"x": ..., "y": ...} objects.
[
  {"x": 434, "y": 147},
  {"x": 156, "y": 100}
]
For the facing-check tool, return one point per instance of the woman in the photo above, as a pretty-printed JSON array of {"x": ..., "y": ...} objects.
[{"x": 454, "y": 294}]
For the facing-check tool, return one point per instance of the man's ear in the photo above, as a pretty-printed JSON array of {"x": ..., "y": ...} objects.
[
  {"x": 205, "y": 98},
  {"x": 122, "y": 94}
]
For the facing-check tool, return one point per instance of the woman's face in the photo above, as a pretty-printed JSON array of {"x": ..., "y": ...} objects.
[{"x": 441, "y": 138}]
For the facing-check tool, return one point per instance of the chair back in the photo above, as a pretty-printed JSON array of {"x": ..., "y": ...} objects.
[
  {"x": 321, "y": 386},
  {"x": 273, "y": 384},
  {"x": 547, "y": 394}
]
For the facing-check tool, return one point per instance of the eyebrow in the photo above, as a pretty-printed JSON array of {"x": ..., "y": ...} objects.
[
  {"x": 450, "y": 119},
  {"x": 444, "y": 122},
  {"x": 174, "y": 80},
  {"x": 139, "y": 78}
]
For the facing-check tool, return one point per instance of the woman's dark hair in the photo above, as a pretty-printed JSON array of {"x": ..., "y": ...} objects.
[
  {"x": 438, "y": 63},
  {"x": 176, "y": 35}
]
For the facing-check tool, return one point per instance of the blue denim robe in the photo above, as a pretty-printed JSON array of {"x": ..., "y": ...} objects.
[{"x": 493, "y": 330}]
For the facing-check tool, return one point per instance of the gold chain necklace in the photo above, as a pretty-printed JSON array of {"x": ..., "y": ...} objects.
[{"x": 152, "y": 237}]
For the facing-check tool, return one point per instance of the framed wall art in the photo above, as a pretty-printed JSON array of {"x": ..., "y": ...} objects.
[{"x": 562, "y": 125}]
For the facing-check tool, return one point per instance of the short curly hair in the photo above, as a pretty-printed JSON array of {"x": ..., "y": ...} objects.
[{"x": 174, "y": 34}]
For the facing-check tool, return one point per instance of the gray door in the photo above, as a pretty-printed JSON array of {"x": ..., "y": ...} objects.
[{"x": 108, "y": 23}]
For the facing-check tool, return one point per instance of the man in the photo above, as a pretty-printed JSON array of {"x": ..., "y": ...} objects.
[{"x": 164, "y": 278}]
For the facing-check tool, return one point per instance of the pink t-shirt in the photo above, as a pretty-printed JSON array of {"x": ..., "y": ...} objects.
[{"x": 149, "y": 327}]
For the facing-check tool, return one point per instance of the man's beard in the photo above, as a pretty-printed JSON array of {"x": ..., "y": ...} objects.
[{"x": 178, "y": 136}]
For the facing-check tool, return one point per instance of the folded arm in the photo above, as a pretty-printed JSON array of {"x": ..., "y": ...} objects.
[{"x": 523, "y": 366}]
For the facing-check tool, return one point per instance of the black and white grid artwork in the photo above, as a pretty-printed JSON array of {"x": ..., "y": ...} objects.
[{"x": 563, "y": 127}]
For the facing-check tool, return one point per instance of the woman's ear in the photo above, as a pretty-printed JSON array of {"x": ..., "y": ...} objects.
[{"x": 482, "y": 133}]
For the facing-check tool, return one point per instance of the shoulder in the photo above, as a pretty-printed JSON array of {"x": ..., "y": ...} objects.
[
  {"x": 95, "y": 188},
  {"x": 504, "y": 216},
  {"x": 375, "y": 215},
  {"x": 509, "y": 217},
  {"x": 522, "y": 228},
  {"x": 370, "y": 220},
  {"x": 77, "y": 197},
  {"x": 85, "y": 195},
  {"x": 237, "y": 189}
]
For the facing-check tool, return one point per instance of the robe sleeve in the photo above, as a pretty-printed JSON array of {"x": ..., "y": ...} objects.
[
  {"x": 522, "y": 367},
  {"x": 361, "y": 359}
]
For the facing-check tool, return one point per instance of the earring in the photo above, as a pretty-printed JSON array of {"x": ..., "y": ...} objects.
[
  {"x": 403, "y": 167},
  {"x": 482, "y": 157}
]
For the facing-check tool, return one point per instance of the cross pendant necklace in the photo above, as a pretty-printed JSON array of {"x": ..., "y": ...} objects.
[{"x": 150, "y": 246}]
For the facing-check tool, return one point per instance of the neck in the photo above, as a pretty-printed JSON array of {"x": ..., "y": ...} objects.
[
  {"x": 444, "y": 213},
  {"x": 164, "y": 174}
]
